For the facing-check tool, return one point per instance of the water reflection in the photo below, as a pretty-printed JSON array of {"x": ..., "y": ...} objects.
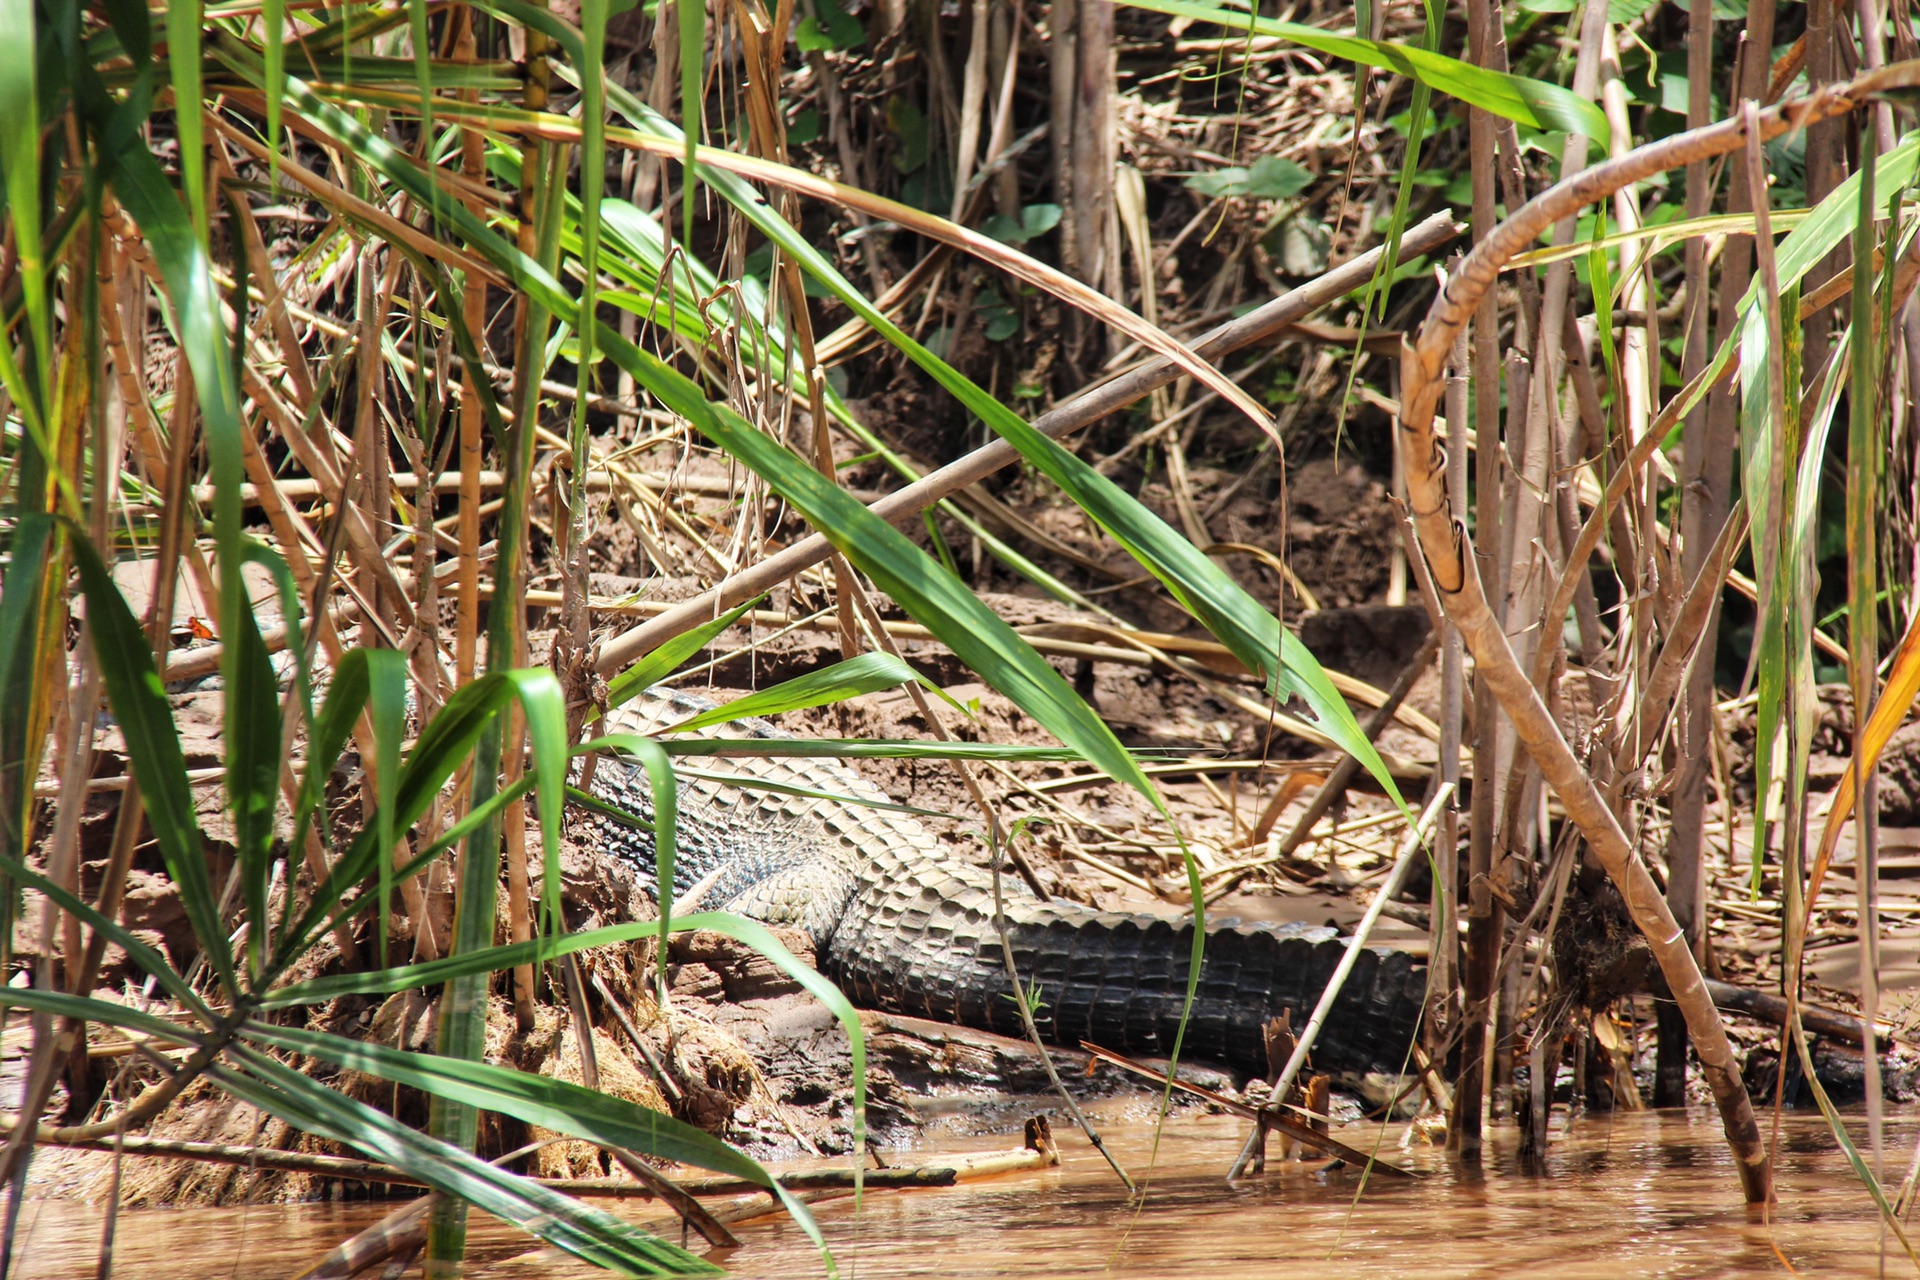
[{"x": 1634, "y": 1195}]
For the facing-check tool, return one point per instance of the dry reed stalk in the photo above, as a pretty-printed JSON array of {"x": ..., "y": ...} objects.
[{"x": 1448, "y": 552}]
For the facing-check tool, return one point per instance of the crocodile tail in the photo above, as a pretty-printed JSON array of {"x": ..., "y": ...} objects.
[{"x": 1120, "y": 981}]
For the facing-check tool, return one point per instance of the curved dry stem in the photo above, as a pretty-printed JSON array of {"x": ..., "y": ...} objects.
[
  {"x": 1444, "y": 545},
  {"x": 147, "y": 1107}
]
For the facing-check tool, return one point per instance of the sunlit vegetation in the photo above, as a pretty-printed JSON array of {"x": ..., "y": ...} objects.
[{"x": 337, "y": 328}]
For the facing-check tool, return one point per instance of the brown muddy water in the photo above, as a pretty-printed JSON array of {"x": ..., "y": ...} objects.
[{"x": 1632, "y": 1195}]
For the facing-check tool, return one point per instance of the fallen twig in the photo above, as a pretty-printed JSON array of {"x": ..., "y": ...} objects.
[{"x": 1298, "y": 1130}]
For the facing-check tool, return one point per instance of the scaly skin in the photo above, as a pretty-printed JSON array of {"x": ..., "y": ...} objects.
[{"x": 902, "y": 924}]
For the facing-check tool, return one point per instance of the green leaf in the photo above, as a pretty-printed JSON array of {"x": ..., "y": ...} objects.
[
  {"x": 22, "y": 637},
  {"x": 20, "y": 167},
  {"x": 537, "y": 1100},
  {"x": 868, "y": 673},
  {"x": 1035, "y": 220},
  {"x": 250, "y": 709},
  {"x": 143, "y": 956},
  {"x": 387, "y": 691},
  {"x": 665, "y": 790},
  {"x": 1245, "y": 626},
  {"x": 442, "y": 748},
  {"x": 693, "y": 60},
  {"x": 1763, "y": 452},
  {"x": 273, "y": 39},
  {"x": 908, "y": 125},
  {"x": 346, "y": 696},
  {"x": 539, "y": 950},
  {"x": 1833, "y": 220},
  {"x": 183, "y": 36},
  {"x": 545, "y": 710},
  {"x": 586, "y": 1232},
  {"x": 139, "y": 703},
  {"x": 980, "y": 637},
  {"x": 865, "y": 749},
  {"x": 1276, "y": 178},
  {"x": 1535, "y": 103},
  {"x": 110, "y": 1013},
  {"x": 656, "y": 666},
  {"x": 753, "y": 785},
  {"x": 496, "y": 959},
  {"x": 1270, "y": 178},
  {"x": 830, "y": 29},
  {"x": 200, "y": 330},
  {"x": 1861, "y": 1169},
  {"x": 429, "y": 973},
  {"x": 1230, "y": 181}
]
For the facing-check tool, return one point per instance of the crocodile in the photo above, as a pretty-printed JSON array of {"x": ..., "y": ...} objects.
[{"x": 902, "y": 924}]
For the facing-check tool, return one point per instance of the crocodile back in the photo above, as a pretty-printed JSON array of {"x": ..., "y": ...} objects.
[{"x": 905, "y": 923}]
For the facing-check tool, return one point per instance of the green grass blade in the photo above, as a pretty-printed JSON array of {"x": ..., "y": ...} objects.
[
  {"x": 273, "y": 18},
  {"x": 23, "y": 622},
  {"x": 20, "y": 165},
  {"x": 587, "y": 1233},
  {"x": 1837, "y": 1124},
  {"x": 110, "y": 1013},
  {"x": 423, "y": 856},
  {"x": 146, "y": 958},
  {"x": 498, "y": 959},
  {"x": 442, "y": 747},
  {"x": 1833, "y": 220},
  {"x": 346, "y": 697},
  {"x": 545, "y": 709},
  {"x": 139, "y": 703},
  {"x": 199, "y": 328},
  {"x": 1200, "y": 585},
  {"x": 422, "y": 64},
  {"x": 1864, "y": 459},
  {"x": 250, "y": 710},
  {"x": 593, "y": 176},
  {"x": 1535, "y": 103},
  {"x": 868, "y": 673},
  {"x": 868, "y": 749},
  {"x": 923, "y": 588},
  {"x": 693, "y": 57},
  {"x": 540, "y": 1100},
  {"x": 656, "y": 666},
  {"x": 665, "y": 790},
  {"x": 387, "y": 693},
  {"x": 537, "y": 1100},
  {"x": 183, "y": 37},
  {"x": 741, "y": 782}
]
